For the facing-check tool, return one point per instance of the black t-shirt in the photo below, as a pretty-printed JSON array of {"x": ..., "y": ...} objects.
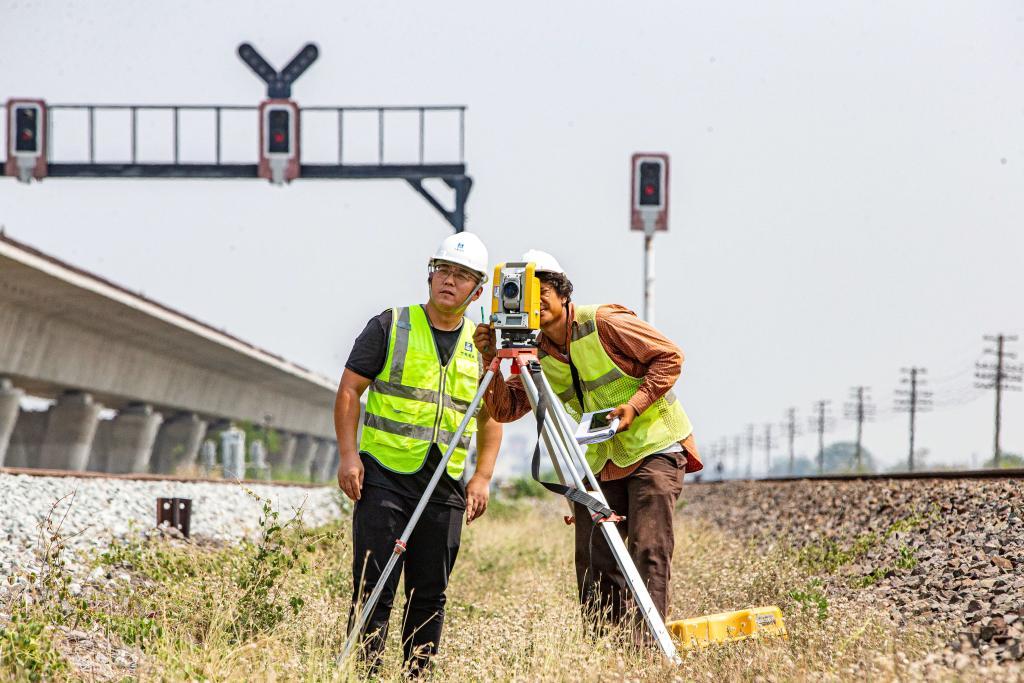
[{"x": 369, "y": 352}]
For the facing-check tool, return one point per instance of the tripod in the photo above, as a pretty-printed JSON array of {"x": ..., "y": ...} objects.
[{"x": 568, "y": 459}]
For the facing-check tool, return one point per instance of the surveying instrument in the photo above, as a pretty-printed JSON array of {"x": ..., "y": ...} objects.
[{"x": 515, "y": 313}]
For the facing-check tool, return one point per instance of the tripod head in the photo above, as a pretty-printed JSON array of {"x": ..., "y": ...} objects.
[{"x": 517, "y": 339}]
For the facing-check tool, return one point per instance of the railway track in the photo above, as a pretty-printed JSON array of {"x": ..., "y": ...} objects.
[
  {"x": 936, "y": 474},
  {"x": 35, "y": 472}
]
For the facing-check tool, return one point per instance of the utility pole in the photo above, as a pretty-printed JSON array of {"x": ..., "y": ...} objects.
[
  {"x": 912, "y": 400},
  {"x": 719, "y": 451},
  {"x": 723, "y": 453},
  {"x": 822, "y": 423},
  {"x": 737, "y": 451},
  {"x": 790, "y": 427},
  {"x": 750, "y": 450},
  {"x": 767, "y": 442},
  {"x": 1000, "y": 376},
  {"x": 860, "y": 410}
]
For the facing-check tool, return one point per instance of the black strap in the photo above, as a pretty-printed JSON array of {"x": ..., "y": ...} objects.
[
  {"x": 598, "y": 509},
  {"x": 577, "y": 385}
]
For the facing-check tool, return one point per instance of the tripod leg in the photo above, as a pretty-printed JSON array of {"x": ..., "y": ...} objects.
[
  {"x": 560, "y": 460},
  {"x": 556, "y": 462},
  {"x": 367, "y": 609},
  {"x": 618, "y": 547}
]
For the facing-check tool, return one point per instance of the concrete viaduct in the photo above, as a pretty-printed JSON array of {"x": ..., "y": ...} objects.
[{"x": 69, "y": 335}]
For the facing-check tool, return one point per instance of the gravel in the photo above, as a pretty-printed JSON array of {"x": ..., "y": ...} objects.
[
  {"x": 100, "y": 510},
  {"x": 946, "y": 553}
]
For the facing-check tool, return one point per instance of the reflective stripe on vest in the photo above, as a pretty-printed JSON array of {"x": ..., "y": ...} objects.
[
  {"x": 415, "y": 401},
  {"x": 605, "y": 385}
]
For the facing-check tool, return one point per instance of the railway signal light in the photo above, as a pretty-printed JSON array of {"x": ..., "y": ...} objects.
[
  {"x": 279, "y": 148},
  {"x": 652, "y": 177},
  {"x": 26, "y": 144},
  {"x": 279, "y": 136},
  {"x": 26, "y": 128},
  {"x": 649, "y": 192}
]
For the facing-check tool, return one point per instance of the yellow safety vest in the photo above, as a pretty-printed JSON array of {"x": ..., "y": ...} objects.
[
  {"x": 415, "y": 401},
  {"x": 604, "y": 385}
]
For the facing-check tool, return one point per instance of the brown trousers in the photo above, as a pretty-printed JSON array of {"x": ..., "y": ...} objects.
[{"x": 647, "y": 499}]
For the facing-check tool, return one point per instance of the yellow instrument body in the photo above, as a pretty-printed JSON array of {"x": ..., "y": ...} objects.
[
  {"x": 757, "y": 622},
  {"x": 527, "y": 317}
]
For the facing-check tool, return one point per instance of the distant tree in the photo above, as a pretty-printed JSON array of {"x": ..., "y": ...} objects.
[
  {"x": 1006, "y": 461},
  {"x": 921, "y": 456},
  {"x": 803, "y": 466},
  {"x": 840, "y": 458}
]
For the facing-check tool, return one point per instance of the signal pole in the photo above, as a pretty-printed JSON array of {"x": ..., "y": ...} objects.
[
  {"x": 1001, "y": 377},
  {"x": 649, "y": 274},
  {"x": 912, "y": 401},
  {"x": 859, "y": 411}
]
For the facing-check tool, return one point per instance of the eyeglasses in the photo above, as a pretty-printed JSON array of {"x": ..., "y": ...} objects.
[{"x": 460, "y": 275}]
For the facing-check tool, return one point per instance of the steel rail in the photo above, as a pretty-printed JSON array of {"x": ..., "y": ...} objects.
[
  {"x": 935, "y": 474},
  {"x": 36, "y": 472}
]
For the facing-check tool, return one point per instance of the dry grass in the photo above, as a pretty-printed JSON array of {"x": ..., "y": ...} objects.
[{"x": 512, "y": 612}]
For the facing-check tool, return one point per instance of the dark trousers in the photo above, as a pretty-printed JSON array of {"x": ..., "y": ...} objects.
[
  {"x": 377, "y": 521},
  {"x": 647, "y": 498}
]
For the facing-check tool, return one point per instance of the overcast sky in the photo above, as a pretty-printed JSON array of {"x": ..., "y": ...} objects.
[{"x": 847, "y": 187}]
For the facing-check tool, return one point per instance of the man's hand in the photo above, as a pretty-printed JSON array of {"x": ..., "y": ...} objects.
[
  {"x": 350, "y": 475},
  {"x": 626, "y": 415},
  {"x": 478, "y": 491},
  {"x": 486, "y": 343}
]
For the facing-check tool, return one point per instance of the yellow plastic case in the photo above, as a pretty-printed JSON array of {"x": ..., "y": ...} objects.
[
  {"x": 729, "y": 626},
  {"x": 531, "y": 292}
]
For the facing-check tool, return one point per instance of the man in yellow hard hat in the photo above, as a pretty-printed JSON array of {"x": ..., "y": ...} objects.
[
  {"x": 605, "y": 357},
  {"x": 422, "y": 370}
]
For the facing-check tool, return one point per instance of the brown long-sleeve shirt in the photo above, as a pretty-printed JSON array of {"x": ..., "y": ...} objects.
[{"x": 635, "y": 346}]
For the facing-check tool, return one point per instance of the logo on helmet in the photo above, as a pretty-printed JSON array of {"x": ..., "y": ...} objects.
[{"x": 460, "y": 247}]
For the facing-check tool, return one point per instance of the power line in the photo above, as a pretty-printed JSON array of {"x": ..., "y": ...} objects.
[
  {"x": 951, "y": 377},
  {"x": 1001, "y": 376},
  {"x": 961, "y": 398}
]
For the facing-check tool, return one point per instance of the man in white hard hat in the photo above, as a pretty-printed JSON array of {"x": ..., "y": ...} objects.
[
  {"x": 422, "y": 371},
  {"x": 605, "y": 357}
]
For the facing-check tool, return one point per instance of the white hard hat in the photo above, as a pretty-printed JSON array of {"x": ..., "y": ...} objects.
[
  {"x": 464, "y": 249},
  {"x": 546, "y": 263}
]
